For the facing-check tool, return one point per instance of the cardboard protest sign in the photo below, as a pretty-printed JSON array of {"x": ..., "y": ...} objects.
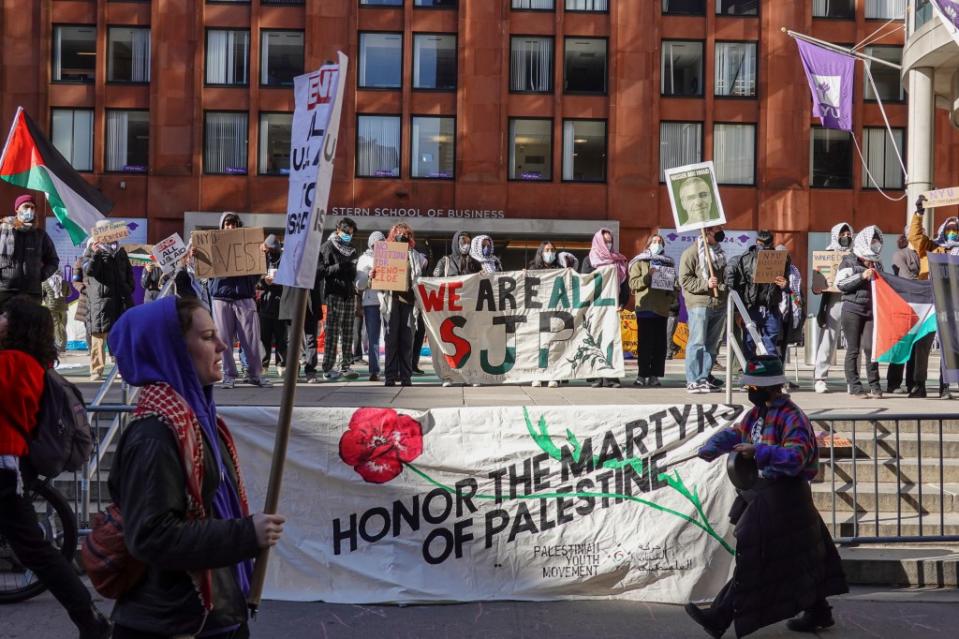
[
  {"x": 169, "y": 251},
  {"x": 694, "y": 197},
  {"x": 139, "y": 254},
  {"x": 663, "y": 278},
  {"x": 769, "y": 266},
  {"x": 228, "y": 253},
  {"x": 113, "y": 232},
  {"x": 825, "y": 264},
  {"x": 941, "y": 197},
  {"x": 392, "y": 264}
]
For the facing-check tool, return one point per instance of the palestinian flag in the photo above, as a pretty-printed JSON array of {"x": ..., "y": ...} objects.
[
  {"x": 904, "y": 312},
  {"x": 30, "y": 161}
]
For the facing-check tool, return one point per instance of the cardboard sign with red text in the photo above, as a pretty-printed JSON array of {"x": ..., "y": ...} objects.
[{"x": 392, "y": 264}]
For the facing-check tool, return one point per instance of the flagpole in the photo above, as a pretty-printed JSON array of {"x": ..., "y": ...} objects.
[{"x": 839, "y": 49}]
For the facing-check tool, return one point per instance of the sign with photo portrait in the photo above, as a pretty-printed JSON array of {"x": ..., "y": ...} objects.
[{"x": 694, "y": 197}]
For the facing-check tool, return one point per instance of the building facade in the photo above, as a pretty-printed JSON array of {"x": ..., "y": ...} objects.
[{"x": 520, "y": 118}]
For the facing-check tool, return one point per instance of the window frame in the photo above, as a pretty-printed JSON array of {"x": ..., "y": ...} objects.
[
  {"x": 289, "y": 86},
  {"x": 552, "y": 74},
  {"x": 531, "y": 10},
  {"x": 54, "y": 52},
  {"x": 110, "y": 57},
  {"x": 455, "y": 7},
  {"x": 755, "y": 126},
  {"x": 605, "y": 179},
  {"x": 865, "y": 83},
  {"x": 581, "y": 11},
  {"x": 106, "y": 141},
  {"x": 259, "y": 127},
  {"x": 206, "y": 48},
  {"x": 834, "y": 18},
  {"x": 456, "y": 49},
  {"x": 93, "y": 127},
  {"x": 868, "y": 19},
  {"x": 759, "y": 12},
  {"x": 754, "y": 96},
  {"x": 356, "y": 146},
  {"x": 455, "y": 141},
  {"x": 552, "y": 148},
  {"x": 812, "y": 157},
  {"x": 659, "y": 139},
  {"x": 400, "y": 5},
  {"x": 702, "y": 94},
  {"x": 605, "y": 39},
  {"x": 663, "y": 12},
  {"x": 903, "y": 148},
  {"x": 359, "y": 59},
  {"x": 203, "y": 152}
]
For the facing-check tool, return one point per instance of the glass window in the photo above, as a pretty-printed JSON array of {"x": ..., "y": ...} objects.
[
  {"x": 227, "y": 57},
  {"x": 128, "y": 55},
  {"x": 830, "y": 162},
  {"x": 382, "y": 3},
  {"x": 530, "y": 149},
  {"x": 734, "y": 153},
  {"x": 737, "y": 7},
  {"x": 434, "y": 61},
  {"x": 281, "y": 1},
  {"x": 584, "y": 151},
  {"x": 433, "y": 148},
  {"x": 74, "y": 53},
  {"x": 735, "y": 69},
  {"x": 534, "y": 5},
  {"x": 225, "y": 147},
  {"x": 378, "y": 146},
  {"x": 885, "y": 9},
  {"x": 680, "y": 143},
  {"x": 585, "y": 65},
  {"x": 442, "y": 4},
  {"x": 531, "y": 64},
  {"x": 834, "y": 8},
  {"x": 682, "y": 68},
  {"x": 587, "y": 5},
  {"x": 881, "y": 159},
  {"x": 886, "y": 78},
  {"x": 281, "y": 57},
  {"x": 684, "y": 7},
  {"x": 381, "y": 60},
  {"x": 72, "y": 133},
  {"x": 274, "y": 150},
  {"x": 924, "y": 13},
  {"x": 127, "y": 141}
]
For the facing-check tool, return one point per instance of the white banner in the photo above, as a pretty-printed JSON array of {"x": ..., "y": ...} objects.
[
  {"x": 494, "y": 503},
  {"x": 522, "y": 326},
  {"x": 316, "y": 125}
]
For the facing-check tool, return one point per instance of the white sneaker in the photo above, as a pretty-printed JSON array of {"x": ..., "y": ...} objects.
[
  {"x": 695, "y": 388},
  {"x": 553, "y": 384},
  {"x": 537, "y": 384},
  {"x": 447, "y": 383},
  {"x": 821, "y": 386}
]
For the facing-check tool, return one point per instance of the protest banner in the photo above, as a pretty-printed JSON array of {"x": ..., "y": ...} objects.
[
  {"x": 169, "y": 251},
  {"x": 392, "y": 264},
  {"x": 139, "y": 254},
  {"x": 630, "y": 331},
  {"x": 694, "y": 197},
  {"x": 944, "y": 273},
  {"x": 519, "y": 326},
  {"x": 825, "y": 265},
  {"x": 496, "y": 503},
  {"x": 113, "y": 232},
  {"x": 663, "y": 278},
  {"x": 941, "y": 197},
  {"x": 228, "y": 252},
  {"x": 769, "y": 266}
]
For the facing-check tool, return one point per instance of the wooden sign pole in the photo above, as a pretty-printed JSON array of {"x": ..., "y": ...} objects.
[{"x": 713, "y": 291}]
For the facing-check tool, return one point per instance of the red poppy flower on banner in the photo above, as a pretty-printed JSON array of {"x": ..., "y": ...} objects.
[{"x": 378, "y": 441}]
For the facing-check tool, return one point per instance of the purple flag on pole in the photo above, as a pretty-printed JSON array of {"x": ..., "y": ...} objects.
[{"x": 830, "y": 76}]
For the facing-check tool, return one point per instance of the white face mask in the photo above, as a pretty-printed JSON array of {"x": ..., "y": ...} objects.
[
  {"x": 25, "y": 215},
  {"x": 876, "y": 247},
  {"x": 549, "y": 257},
  {"x": 655, "y": 248}
]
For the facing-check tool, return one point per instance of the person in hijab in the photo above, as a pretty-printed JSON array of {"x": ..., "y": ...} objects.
[
  {"x": 458, "y": 262},
  {"x": 830, "y": 311},
  {"x": 27, "y": 254},
  {"x": 854, "y": 278},
  {"x": 26, "y": 351},
  {"x": 702, "y": 269},
  {"x": 188, "y": 523},
  {"x": 399, "y": 313},
  {"x": 372, "y": 303},
  {"x": 652, "y": 279},
  {"x": 602, "y": 254},
  {"x": 56, "y": 291},
  {"x": 546, "y": 258},
  {"x": 109, "y": 279},
  {"x": 337, "y": 267},
  {"x": 568, "y": 260},
  {"x": 481, "y": 251}
]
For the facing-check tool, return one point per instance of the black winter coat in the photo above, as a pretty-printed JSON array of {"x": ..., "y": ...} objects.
[
  {"x": 314, "y": 302},
  {"x": 150, "y": 282},
  {"x": 34, "y": 260},
  {"x": 739, "y": 277},
  {"x": 856, "y": 292},
  {"x": 109, "y": 280},
  {"x": 337, "y": 270},
  {"x": 147, "y": 483},
  {"x": 268, "y": 304}
]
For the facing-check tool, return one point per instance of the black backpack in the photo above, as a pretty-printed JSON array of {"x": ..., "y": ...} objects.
[{"x": 62, "y": 439}]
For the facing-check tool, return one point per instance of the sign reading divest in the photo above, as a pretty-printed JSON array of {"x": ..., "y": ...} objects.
[
  {"x": 522, "y": 326},
  {"x": 496, "y": 503},
  {"x": 316, "y": 125},
  {"x": 391, "y": 261},
  {"x": 167, "y": 252},
  {"x": 228, "y": 253}
]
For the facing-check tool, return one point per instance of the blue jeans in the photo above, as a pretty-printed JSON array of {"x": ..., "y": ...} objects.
[
  {"x": 769, "y": 324},
  {"x": 705, "y": 330},
  {"x": 373, "y": 320}
]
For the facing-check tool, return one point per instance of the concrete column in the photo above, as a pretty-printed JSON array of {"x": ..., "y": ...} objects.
[{"x": 920, "y": 138}]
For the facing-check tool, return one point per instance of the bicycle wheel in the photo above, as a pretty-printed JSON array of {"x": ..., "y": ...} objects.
[{"x": 59, "y": 526}]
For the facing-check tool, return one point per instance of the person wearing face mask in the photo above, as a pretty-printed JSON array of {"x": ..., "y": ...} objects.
[
  {"x": 372, "y": 301},
  {"x": 702, "y": 269},
  {"x": 458, "y": 262},
  {"x": 27, "y": 254},
  {"x": 337, "y": 267},
  {"x": 482, "y": 254},
  {"x": 652, "y": 279},
  {"x": 854, "y": 278},
  {"x": 830, "y": 311},
  {"x": 906, "y": 264},
  {"x": 272, "y": 328},
  {"x": 761, "y": 300},
  {"x": 398, "y": 311},
  {"x": 546, "y": 258},
  {"x": 786, "y": 561},
  {"x": 602, "y": 254}
]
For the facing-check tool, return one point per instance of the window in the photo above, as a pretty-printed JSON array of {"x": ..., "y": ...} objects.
[
  {"x": 530, "y": 149},
  {"x": 127, "y": 141},
  {"x": 585, "y": 65},
  {"x": 737, "y": 7},
  {"x": 433, "y": 148},
  {"x": 439, "y": 4},
  {"x": 382, "y": 3},
  {"x": 834, "y": 8},
  {"x": 682, "y": 68},
  {"x": 434, "y": 62},
  {"x": 584, "y": 151},
  {"x": 534, "y": 5},
  {"x": 830, "y": 162},
  {"x": 886, "y": 78},
  {"x": 274, "y": 151},
  {"x": 72, "y": 133},
  {"x": 128, "y": 55},
  {"x": 680, "y": 143},
  {"x": 684, "y": 7},
  {"x": 281, "y": 1},
  {"x": 531, "y": 64},
  {"x": 225, "y": 147},
  {"x": 74, "y": 53},
  {"x": 381, "y": 60},
  {"x": 885, "y": 9},
  {"x": 881, "y": 159},
  {"x": 227, "y": 57},
  {"x": 378, "y": 146},
  {"x": 281, "y": 57},
  {"x": 734, "y": 153},
  {"x": 735, "y": 69},
  {"x": 599, "y": 6}
]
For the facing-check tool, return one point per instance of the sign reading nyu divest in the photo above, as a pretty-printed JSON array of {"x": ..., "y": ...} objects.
[
  {"x": 522, "y": 326},
  {"x": 473, "y": 504}
]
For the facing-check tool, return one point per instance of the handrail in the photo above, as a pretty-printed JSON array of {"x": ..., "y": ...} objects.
[{"x": 732, "y": 344}]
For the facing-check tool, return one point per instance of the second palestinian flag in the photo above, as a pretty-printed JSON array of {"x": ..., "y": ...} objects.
[{"x": 904, "y": 312}]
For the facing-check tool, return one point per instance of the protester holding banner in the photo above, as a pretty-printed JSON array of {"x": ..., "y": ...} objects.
[
  {"x": 602, "y": 254},
  {"x": 373, "y": 301},
  {"x": 109, "y": 280},
  {"x": 27, "y": 254},
  {"x": 568, "y": 260},
  {"x": 150, "y": 282},
  {"x": 702, "y": 269},
  {"x": 458, "y": 262},
  {"x": 652, "y": 279},
  {"x": 337, "y": 267},
  {"x": 761, "y": 299},
  {"x": 545, "y": 259},
  {"x": 482, "y": 253},
  {"x": 272, "y": 329},
  {"x": 786, "y": 562},
  {"x": 398, "y": 311},
  {"x": 854, "y": 280},
  {"x": 830, "y": 311},
  {"x": 906, "y": 264}
]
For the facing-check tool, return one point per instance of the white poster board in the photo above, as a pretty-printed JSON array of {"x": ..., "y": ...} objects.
[{"x": 694, "y": 197}]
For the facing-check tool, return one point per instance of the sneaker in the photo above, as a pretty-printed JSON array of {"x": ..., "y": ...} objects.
[
  {"x": 705, "y": 619},
  {"x": 697, "y": 388},
  {"x": 653, "y": 382},
  {"x": 447, "y": 383},
  {"x": 640, "y": 382},
  {"x": 419, "y": 371},
  {"x": 261, "y": 383},
  {"x": 476, "y": 385},
  {"x": 228, "y": 382},
  {"x": 389, "y": 382},
  {"x": 331, "y": 376},
  {"x": 822, "y": 386},
  {"x": 374, "y": 377},
  {"x": 714, "y": 383},
  {"x": 536, "y": 384},
  {"x": 812, "y": 620},
  {"x": 281, "y": 371},
  {"x": 350, "y": 374},
  {"x": 406, "y": 382},
  {"x": 918, "y": 392},
  {"x": 875, "y": 393},
  {"x": 613, "y": 383},
  {"x": 553, "y": 384},
  {"x": 899, "y": 390},
  {"x": 310, "y": 378},
  {"x": 596, "y": 383}
]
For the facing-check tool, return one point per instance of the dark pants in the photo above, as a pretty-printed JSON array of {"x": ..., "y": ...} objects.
[
  {"x": 769, "y": 324},
  {"x": 18, "y": 525},
  {"x": 119, "y": 632},
  {"x": 310, "y": 337},
  {"x": 418, "y": 339},
  {"x": 651, "y": 357},
  {"x": 399, "y": 343},
  {"x": 273, "y": 331},
  {"x": 916, "y": 369},
  {"x": 7, "y": 295},
  {"x": 858, "y": 332}
]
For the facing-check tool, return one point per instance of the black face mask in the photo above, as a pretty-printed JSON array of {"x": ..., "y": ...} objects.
[
  {"x": 402, "y": 239},
  {"x": 719, "y": 236},
  {"x": 845, "y": 242},
  {"x": 760, "y": 396}
]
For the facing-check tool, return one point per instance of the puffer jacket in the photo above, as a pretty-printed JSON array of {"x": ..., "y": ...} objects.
[
  {"x": 739, "y": 277},
  {"x": 923, "y": 245},
  {"x": 34, "y": 259},
  {"x": 455, "y": 263},
  {"x": 109, "y": 279}
]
